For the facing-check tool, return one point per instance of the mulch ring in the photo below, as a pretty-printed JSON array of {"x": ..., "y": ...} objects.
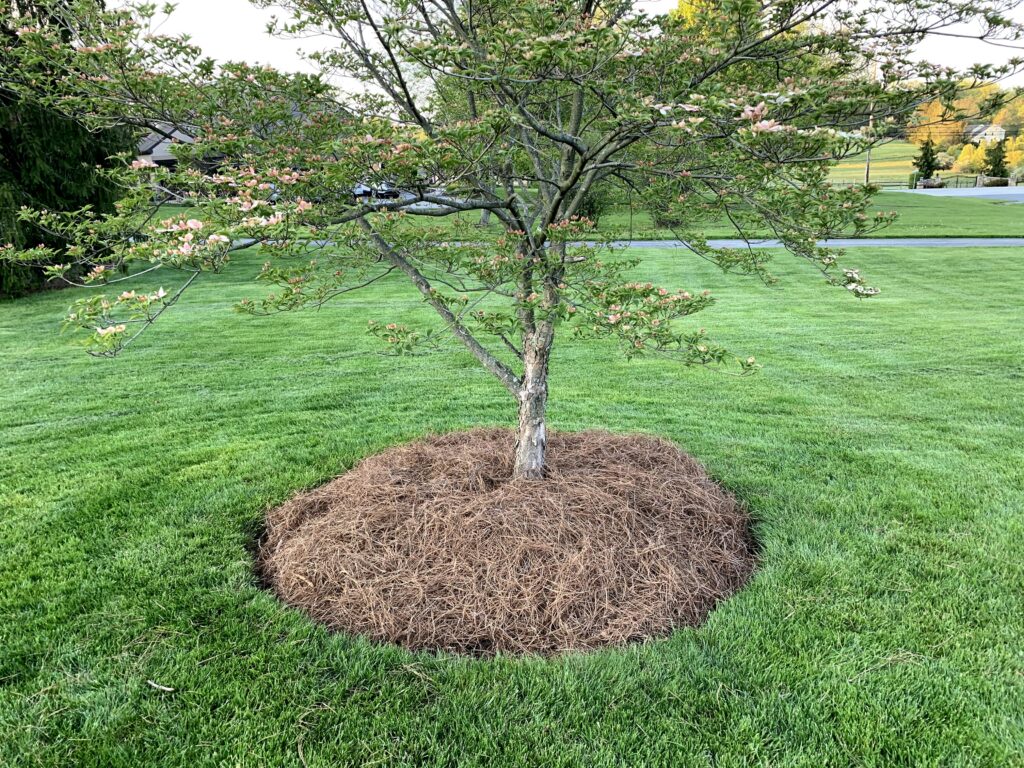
[{"x": 432, "y": 545}]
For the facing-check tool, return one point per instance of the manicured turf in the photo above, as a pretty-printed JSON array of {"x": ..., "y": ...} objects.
[
  {"x": 881, "y": 451},
  {"x": 889, "y": 162},
  {"x": 919, "y": 216}
]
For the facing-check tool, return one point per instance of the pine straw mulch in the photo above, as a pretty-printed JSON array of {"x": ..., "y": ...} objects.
[{"x": 430, "y": 545}]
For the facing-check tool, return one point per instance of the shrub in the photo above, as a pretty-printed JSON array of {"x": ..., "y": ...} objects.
[
  {"x": 970, "y": 160},
  {"x": 596, "y": 203}
]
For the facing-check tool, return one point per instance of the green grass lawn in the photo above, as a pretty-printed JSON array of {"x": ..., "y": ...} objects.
[
  {"x": 881, "y": 452},
  {"x": 889, "y": 162},
  {"x": 919, "y": 216}
]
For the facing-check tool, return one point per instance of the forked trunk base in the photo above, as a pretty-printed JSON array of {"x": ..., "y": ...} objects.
[{"x": 532, "y": 441}]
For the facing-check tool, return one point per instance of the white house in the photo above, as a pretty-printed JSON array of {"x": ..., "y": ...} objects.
[{"x": 980, "y": 133}]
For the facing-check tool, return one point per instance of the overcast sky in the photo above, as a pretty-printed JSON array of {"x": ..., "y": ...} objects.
[{"x": 235, "y": 30}]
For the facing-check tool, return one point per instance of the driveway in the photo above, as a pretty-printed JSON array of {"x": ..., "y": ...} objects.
[{"x": 1008, "y": 194}]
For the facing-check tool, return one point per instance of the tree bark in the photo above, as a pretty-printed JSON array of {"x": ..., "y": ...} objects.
[{"x": 533, "y": 399}]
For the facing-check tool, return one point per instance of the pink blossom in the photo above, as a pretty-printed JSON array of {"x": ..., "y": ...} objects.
[
  {"x": 142, "y": 162},
  {"x": 110, "y": 329},
  {"x": 753, "y": 114},
  {"x": 767, "y": 126}
]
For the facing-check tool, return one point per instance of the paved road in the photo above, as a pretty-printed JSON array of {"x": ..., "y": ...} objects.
[
  {"x": 1007, "y": 194},
  {"x": 867, "y": 242}
]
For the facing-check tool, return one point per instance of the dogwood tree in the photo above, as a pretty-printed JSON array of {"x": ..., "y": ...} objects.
[{"x": 731, "y": 114}]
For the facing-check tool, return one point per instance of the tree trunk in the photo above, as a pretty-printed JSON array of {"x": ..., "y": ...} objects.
[
  {"x": 533, "y": 400},
  {"x": 485, "y": 217}
]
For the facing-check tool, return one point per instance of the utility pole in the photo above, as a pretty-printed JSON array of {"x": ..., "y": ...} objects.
[
  {"x": 871, "y": 124},
  {"x": 867, "y": 161}
]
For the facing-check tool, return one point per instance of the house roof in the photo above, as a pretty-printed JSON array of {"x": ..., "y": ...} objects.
[
  {"x": 156, "y": 142},
  {"x": 978, "y": 130}
]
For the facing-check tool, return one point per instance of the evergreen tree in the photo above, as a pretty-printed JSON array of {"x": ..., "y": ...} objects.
[
  {"x": 46, "y": 159},
  {"x": 927, "y": 162},
  {"x": 995, "y": 159}
]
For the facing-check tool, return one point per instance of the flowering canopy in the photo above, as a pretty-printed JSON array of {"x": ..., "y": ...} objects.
[{"x": 521, "y": 109}]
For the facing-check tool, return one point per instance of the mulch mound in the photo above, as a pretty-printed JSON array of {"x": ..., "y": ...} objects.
[{"x": 431, "y": 545}]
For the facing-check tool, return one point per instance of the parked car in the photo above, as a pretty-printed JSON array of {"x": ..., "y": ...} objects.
[
  {"x": 362, "y": 190},
  {"x": 387, "y": 191}
]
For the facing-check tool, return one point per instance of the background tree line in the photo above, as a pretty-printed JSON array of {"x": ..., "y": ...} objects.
[{"x": 47, "y": 160}]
